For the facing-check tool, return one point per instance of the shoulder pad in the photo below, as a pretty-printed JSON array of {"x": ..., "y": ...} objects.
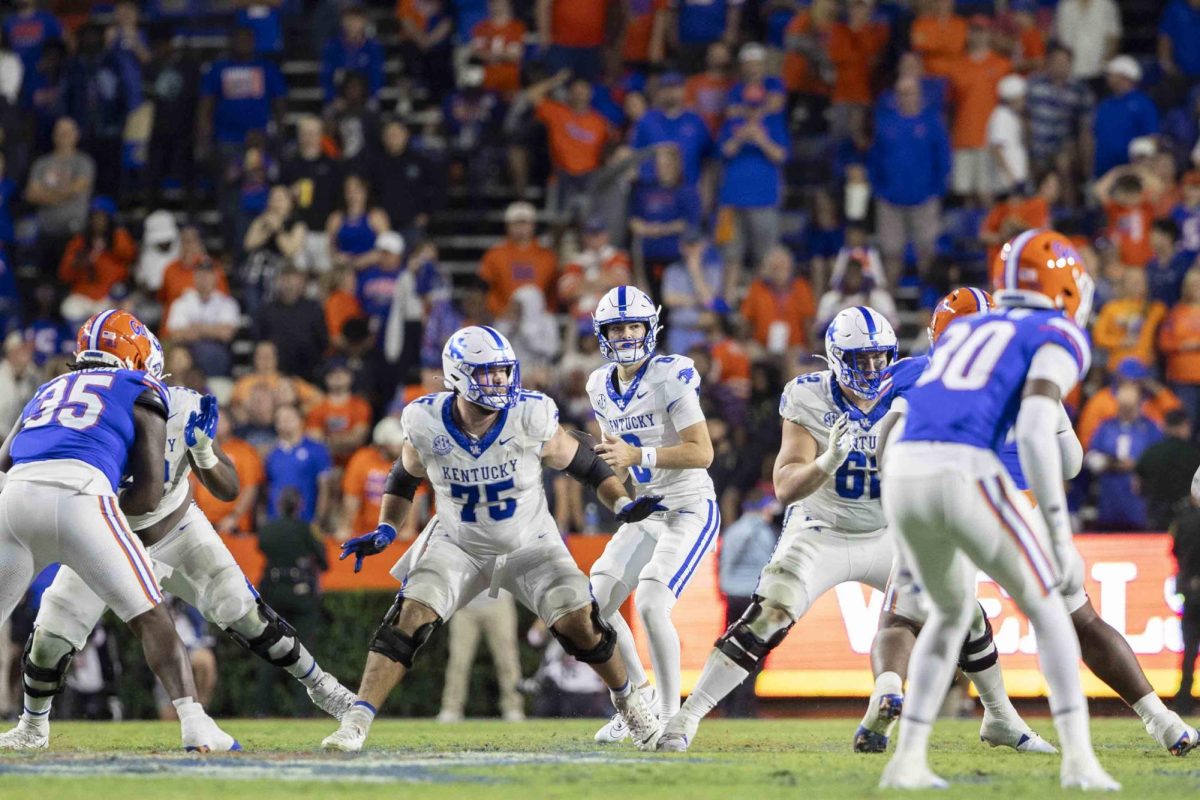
[{"x": 804, "y": 393}]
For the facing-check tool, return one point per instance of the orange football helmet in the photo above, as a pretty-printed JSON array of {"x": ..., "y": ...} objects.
[
  {"x": 1042, "y": 268},
  {"x": 119, "y": 339},
  {"x": 959, "y": 303}
]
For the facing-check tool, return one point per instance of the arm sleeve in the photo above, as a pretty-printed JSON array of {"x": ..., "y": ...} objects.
[
  {"x": 1036, "y": 432},
  {"x": 1068, "y": 445}
]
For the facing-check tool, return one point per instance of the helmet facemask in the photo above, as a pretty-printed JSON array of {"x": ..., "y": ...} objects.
[
  {"x": 627, "y": 350},
  {"x": 862, "y": 370}
]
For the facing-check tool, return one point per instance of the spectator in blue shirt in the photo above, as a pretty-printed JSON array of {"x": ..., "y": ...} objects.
[
  {"x": 662, "y": 210},
  {"x": 300, "y": 463},
  {"x": 670, "y": 122},
  {"x": 1113, "y": 454},
  {"x": 1165, "y": 270},
  {"x": 8, "y": 191},
  {"x": 699, "y": 23},
  {"x": 909, "y": 164},
  {"x": 757, "y": 92},
  {"x": 239, "y": 94},
  {"x": 1123, "y": 117},
  {"x": 692, "y": 288},
  {"x": 754, "y": 150},
  {"x": 1187, "y": 213},
  {"x": 1179, "y": 39},
  {"x": 353, "y": 51},
  {"x": 265, "y": 18},
  {"x": 29, "y": 29}
]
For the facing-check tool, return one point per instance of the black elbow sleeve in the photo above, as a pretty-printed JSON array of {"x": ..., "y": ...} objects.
[
  {"x": 587, "y": 467},
  {"x": 400, "y": 482}
]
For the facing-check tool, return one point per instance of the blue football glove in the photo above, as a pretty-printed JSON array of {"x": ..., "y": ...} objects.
[
  {"x": 368, "y": 544},
  {"x": 638, "y": 510},
  {"x": 201, "y": 430}
]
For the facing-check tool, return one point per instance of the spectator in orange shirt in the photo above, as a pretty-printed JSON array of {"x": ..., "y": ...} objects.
[
  {"x": 1014, "y": 213},
  {"x": 855, "y": 47},
  {"x": 575, "y": 33},
  {"x": 365, "y": 480},
  {"x": 973, "y": 84},
  {"x": 236, "y": 516},
  {"x": 1028, "y": 51},
  {"x": 499, "y": 43},
  {"x": 807, "y": 72},
  {"x": 180, "y": 274},
  {"x": 779, "y": 305},
  {"x": 341, "y": 305},
  {"x": 645, "y": 32},
  {"x": 707, "y": 93},
  {"x": 940, "y": 37},
  {"x": 95, "y": 261},
  {"x": 597, "y": 268},
  {"x": 578, "y": 136},
  {"x": 1128, "y": 196},
  {"x": 342, "y": 419},
  {"x": 518, "y": 260},
  {"x": 267, "y": 377},
  {"x": 1179, "y": 342},
  {"x": 1157, "y": 401},
  {"x": 1127, "y": 327}
]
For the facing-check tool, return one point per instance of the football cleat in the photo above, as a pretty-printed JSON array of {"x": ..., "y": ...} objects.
[
  {"x": 615, "y": 730},
  {"x": 868, "y": 741},
  {"x": 674, "y": 742},
  {"x": 201, "y": 735},
  {"x": 644, "y": 726},
  {"x": 887, "y": 712},
  {"x": 904, "y": 773},
  {"x": 348, "y": 738},
  {"x": 1170, "y": 731},
  {"x": 331, "y": 697},
  {"x": 999, "y": 732},
  {"x": 26, "y": 737},
  {"x": 1087, "y": 775}
]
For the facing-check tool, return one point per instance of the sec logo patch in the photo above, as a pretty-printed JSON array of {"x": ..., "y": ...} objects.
[{"x": 442, "y": 445}]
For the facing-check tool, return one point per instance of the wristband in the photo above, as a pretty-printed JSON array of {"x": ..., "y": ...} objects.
[
  {"x": 825, "y": 462},
  {"x": 204, "y": 455},
  {"x": 386, "y": 530},
  {"x": 649, "y": 457}
]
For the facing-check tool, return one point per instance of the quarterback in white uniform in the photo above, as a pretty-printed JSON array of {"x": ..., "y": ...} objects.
[
  {"x": 834, "y": 530},
  {"x": 648, "y": 408},
  {"x": 482, "y": 446},
  {"x": 190, "y": 561}
]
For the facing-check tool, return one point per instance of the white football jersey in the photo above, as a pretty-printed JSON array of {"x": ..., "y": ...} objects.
[
  {"x": 489, "y": 491},
  {"x": 662, "y": 399},
  {"x": 849, "y": 501},
  {"x": 183, "y": 402}
]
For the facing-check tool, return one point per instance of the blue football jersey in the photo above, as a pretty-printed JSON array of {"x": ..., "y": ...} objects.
[
  {"x": 971, "y": 391},
  {"x": 87, "y": 416}
]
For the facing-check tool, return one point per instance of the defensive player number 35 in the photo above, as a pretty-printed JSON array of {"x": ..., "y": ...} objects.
[
  {"x": 72, "y": 401},
  {"x": 499, "y": 508}
]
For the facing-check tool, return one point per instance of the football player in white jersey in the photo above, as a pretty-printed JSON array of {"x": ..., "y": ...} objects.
[
  {"x": 648, "y": 408},
  {"x": 190, "y": 561},
  {"x": 482, "y": 446},
  {"x": 834, "y": 529}
]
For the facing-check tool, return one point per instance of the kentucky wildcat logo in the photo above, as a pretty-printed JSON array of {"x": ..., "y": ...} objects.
[{"x": 686, "y": 375}]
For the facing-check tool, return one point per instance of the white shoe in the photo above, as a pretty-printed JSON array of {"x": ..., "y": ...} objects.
[
  {"x": 678, "y": 733},
  {"x": 348, "y": 738},
  {"x": 674, "y": 742},
  {"x": 26, "y": 737},
  {"x": 514, "y": 715},
  {"x": 201, "y": 735},
  {"x": 643, "y": 723},
  {"x": 449, "y": 717},
  {"x": 904, "y": 773},
  {"x": 1088, "y": 775},
  {"x": 1170, "y": 731},
  {"x": 615, "y": 730},
  {"x": 331, "y": 697},
  {"x": 1001, "y": 732}
]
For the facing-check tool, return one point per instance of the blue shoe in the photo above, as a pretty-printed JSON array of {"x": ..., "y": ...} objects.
[{"x": 868, "y": 741}]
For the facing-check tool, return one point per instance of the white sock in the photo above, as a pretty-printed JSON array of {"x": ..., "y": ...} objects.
[
  {"x": 1150, "y": 708},
  {"x": 719, "y": 677},
  {"x": 622, "y": 692},
  {"x": 989, "y": 682},
  {"x": 361, "y": 713},
  {"x": 886, "y": 683},
  {"x": 1058, "y": 657},
  {"x": 186, "y": 707},
  {"x": 654, "y": 604},
  {"x": 305, "y": 669},
  {"x": 627, "y": 646},
  {"x": 914, "y": 740}
]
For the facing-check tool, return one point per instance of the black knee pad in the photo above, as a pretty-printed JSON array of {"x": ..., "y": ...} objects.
[
  {"x": 599, "y": 654},
  {"x": 56, "y": 675},
  {"x": 397, "y": 645},
  {"x": 743, "y": 646},
  {"x": 276, "y": 630},
  {"x": 980, "y": 653}
]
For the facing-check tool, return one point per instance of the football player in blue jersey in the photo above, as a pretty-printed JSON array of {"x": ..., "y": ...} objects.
[
  {"x": 1105, "y": 651},
  {"x": 61, "y": 499},
  {"x": 956, "y": 510}
]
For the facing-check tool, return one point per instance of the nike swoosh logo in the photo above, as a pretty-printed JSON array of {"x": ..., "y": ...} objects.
[
  {"x": 640, "y": 395},
  {"x": 506, "y": 441}
]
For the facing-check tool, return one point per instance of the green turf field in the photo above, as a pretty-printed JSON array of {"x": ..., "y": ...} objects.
[{"x": 754, "y": 760}]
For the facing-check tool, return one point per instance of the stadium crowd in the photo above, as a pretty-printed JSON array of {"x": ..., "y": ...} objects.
[{"x": 758, "y": 165}]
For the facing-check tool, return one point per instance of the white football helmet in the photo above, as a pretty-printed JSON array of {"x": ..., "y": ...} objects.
[
  {"x": 626, "y": 304},
  {"x": 854, "y": 335},
  {"x": 472, "y": 361},
  {"x": 156, "y": 362}
]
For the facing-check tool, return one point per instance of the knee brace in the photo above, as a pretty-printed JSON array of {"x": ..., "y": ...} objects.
[
  {"x": 277, "y": 629},
  {"x": 746, "y": 648},
  {"x": 603, "y": 650},
  {"x": 979, "y": 652},
  {"x": 56, "y": 676},
  {"x": 397, "y": 645}
]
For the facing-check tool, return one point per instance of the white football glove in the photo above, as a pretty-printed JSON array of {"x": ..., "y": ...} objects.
[
  {"x": 840, "y": 440},
  {"x": 1070, "y": 566}
]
